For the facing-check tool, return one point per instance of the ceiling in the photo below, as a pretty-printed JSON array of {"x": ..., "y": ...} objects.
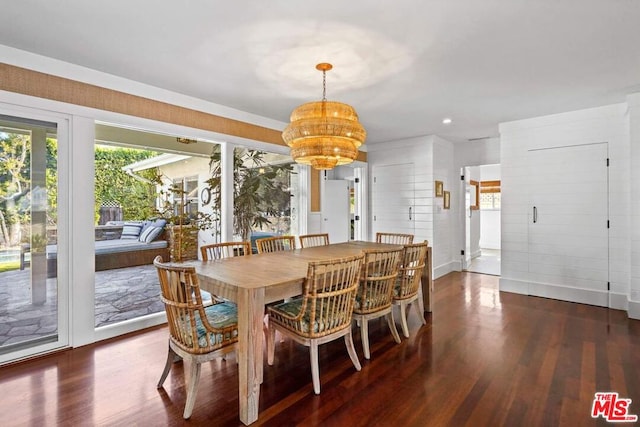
[{"x": 404, "y": 65}]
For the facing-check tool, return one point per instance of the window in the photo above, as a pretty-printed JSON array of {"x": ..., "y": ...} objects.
[
  {"x": 490, "y": 195},
  {"x": 189, "y": 186}
]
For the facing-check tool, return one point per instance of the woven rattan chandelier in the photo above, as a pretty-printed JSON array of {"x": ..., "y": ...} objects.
[{"x": 324, "y": 134}]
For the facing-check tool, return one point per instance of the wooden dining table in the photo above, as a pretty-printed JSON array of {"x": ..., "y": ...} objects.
[{"x": 256, "y": 280}]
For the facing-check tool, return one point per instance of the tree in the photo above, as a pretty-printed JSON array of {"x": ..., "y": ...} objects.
[
  {"x": 14, "y": 186},
  {"x": 260, "y": 190}
]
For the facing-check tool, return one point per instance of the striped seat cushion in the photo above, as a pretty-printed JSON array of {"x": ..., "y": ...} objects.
[
  {"x": 293, "y": 307},
  {"x": 131, "y": 230},
  {"x": 219, "y": 315}
]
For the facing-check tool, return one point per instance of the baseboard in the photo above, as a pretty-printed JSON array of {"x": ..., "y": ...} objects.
[
  {"x": 476, "y": 254},
  {"x": 130, "y": 325},
  {"x": 447, "y": 268},
  {"x": 514, "y": 286},
  {"x": 619, "y": 302},
  {"x": 634, "y": 310},
  {"x": 563, "y": 293}
]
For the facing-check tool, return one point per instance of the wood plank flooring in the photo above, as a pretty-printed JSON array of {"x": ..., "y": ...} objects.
[{"x": 485, "y": 358}]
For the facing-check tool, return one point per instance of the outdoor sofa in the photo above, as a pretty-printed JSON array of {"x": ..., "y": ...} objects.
[{"x": 119, "y": 244}]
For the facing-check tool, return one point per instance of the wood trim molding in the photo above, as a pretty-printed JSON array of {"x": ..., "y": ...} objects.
[
  {"x": 41, "y": 85},
  {"x": 476, "y": 186},
  {"x": 490, "y": 186},
  {"x": 315, "y": 190},
  {"x": 47, "y": 86}
]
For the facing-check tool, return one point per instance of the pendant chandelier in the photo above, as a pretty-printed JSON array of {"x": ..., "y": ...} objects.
[{"x": 324, "y": 134}]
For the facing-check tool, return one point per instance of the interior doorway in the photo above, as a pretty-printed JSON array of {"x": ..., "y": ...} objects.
[{"x": 482, "y": 203}]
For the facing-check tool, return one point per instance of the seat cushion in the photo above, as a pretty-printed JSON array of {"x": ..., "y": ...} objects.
[
  {"x": 150, "y": 234},
  {"x": 131, "y": 230},
  {"x": 371, "y": 300},
  {"x": 293, "y": 308},
  {"x": 220, "y": 315}
]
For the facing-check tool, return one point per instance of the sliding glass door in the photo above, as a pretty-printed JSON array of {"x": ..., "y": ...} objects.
[{"x": 30, "y": 300}]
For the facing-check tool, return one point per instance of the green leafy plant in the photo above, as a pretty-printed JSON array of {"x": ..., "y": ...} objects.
[
  {"x": 260, "y": 190},
  {"x": 113, "y": 184}
]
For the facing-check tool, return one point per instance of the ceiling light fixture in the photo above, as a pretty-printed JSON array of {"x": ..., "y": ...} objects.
[
  {"x": 186, "y": 140},
  {"x": 324, "y": 134},
  {"x": 446, "y": 121}
]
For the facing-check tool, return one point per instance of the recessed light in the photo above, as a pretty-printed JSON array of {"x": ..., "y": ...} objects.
[{"x": 446, "y": 121}]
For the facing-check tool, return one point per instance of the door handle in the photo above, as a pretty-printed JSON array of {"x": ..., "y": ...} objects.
[
  {"x": 535, "y": 214},
  {"x": 409, "y": 213}
]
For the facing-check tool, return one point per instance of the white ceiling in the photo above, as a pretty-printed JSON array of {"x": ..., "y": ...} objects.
[{"x": 404, "y": 65}]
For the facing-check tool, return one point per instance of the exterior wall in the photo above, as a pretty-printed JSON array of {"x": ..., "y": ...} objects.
[
  {"x": 605, "y": 124},
  {"x": 198, "y": 167}
]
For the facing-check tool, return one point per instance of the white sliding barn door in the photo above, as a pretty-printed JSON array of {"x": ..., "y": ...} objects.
[
  {"x": 568, "y": 237},
  {"x": 393, "y": 199}
]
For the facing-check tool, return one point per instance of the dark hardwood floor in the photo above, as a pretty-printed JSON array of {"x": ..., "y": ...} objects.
[{"x": 485, "y": 358}]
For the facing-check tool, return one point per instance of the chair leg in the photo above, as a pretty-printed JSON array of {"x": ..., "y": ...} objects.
[
  {"x": 392, "y": 326},
  {"x": 364, "y": 336},
  {"x": 171, "y": 358},
  {"x": 271, "y": 339},
  {"x": 403, "y": 319},
  {"x": 348, "y": 341},
  {"x": 192, "y": 390},
  {"x": 315, "y": 369},
  {"x": 421, "y": 307}
]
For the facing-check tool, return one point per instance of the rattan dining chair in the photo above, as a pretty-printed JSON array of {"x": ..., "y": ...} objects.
[
  {"x": 196, "y": 333},
  {"x": 408, "y": 287},
  {"x": 323, "y": 313},
  {"x": 375, "y": 292},
  {"x": 220, "y": 251},
  {"x": 225, "y": 250},
  {"x": 275, "y": 244},
  {"x": 311, "y": 240},
  {"x": 394, "y": 238}
]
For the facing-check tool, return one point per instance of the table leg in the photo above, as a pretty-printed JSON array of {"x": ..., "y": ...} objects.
[
  {"x": 250, "y": 357},
  {"x": 427, "y": 283}
]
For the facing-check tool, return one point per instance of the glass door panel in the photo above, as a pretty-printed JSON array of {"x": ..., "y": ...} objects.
[{"x": 29, "y": 302}]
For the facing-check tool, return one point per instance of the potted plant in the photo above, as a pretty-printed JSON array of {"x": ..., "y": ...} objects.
[{"x": 182, "y": 226}]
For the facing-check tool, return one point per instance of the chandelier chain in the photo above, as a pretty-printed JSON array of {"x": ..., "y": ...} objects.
[{"x": 324, "y": 85}]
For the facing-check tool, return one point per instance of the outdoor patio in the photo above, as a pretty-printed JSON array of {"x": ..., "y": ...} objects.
[{"x": 121, "y": 294}]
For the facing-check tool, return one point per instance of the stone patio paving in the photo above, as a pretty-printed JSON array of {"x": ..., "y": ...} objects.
[{"x": 121, "y": 294}]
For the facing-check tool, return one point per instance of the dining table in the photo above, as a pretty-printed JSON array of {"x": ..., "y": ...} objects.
[{"x": 255, "y": 280}]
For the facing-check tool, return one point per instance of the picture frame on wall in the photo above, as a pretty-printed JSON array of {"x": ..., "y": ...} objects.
[
  {"x": 447, "y": 200},
  {"x": 439, "y": 188}
]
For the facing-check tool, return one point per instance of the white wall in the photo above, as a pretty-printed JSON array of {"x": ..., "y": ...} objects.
[
  {"x": 446, "y": 255},
  {"x": 472, "y": 153},
  {"x": 418, "y": 151},
  {"x": 473, "y": 173},
  {"x": 490, "y": 219},
  {"x": 632, "y": 258},
  {"x": 489, "y": 229},
  {"x": 433, "y": 159},
  {"x": 604, "y": 124}
]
